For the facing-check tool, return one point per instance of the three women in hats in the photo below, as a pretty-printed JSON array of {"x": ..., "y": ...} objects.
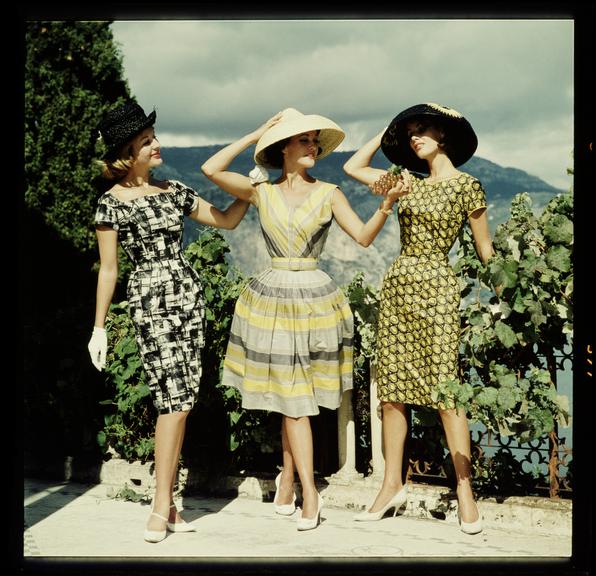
[
  {"x": 419, "y": 322},
  {"x": 290, "y": 346},
  {"x": 146, "y": 217}
]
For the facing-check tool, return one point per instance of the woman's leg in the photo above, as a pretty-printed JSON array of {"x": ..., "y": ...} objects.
[
  {"x": 174, "y": 514},
  {"x": 169, "y": 433},
  {"x": 457, "y": 432},
  {"x": 299, "y": 438},
  {"x": 286, "y": 485},
  {"x": 395, "y": 428}
]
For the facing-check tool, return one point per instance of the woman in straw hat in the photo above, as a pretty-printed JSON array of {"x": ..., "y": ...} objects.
[
  {"x": 418, "y": 326},
  {"x": 164, "y": 291},
  {"x": 290, "y": 347}
]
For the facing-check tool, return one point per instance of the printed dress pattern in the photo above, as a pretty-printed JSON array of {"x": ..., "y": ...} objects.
[
  {"x": 290, "y": 346},
  {"x": 164, "y": 292},
  {"x": 419, "y": 321}
]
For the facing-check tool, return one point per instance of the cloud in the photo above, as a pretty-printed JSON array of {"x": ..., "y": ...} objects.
[
  {"x": 213, "y": 81},
  {"x": 544, "y": 150}
]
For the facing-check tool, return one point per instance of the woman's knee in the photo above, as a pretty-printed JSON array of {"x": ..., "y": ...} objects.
[{"x": 392, "y": 407}]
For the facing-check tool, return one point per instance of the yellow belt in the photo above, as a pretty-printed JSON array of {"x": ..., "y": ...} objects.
[{"x": 294, "y": 263}]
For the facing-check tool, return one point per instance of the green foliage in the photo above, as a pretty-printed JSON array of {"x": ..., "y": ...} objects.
[
  {"x": 503, "y": 474},
  {"x": 248, "y": 434},
  {"x": 509, "y": 342},
  {"x": 128, "y": 428},
  {"x": 73, "y": 74},
  {"x": 129, "y": 494},
  {"x": 364, "y": 302},
  {"x": 218, "y": 416},
  {"x": 507, "y": 350}
]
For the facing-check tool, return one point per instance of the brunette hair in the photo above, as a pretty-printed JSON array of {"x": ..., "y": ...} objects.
[
  {"x": 274, "y": 155},
  {"x": 443, "y": 130}
]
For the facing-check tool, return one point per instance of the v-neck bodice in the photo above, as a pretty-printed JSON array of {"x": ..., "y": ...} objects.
[
  {"x": 299, "y": 205},
  {"x": 295, "y": 231}
]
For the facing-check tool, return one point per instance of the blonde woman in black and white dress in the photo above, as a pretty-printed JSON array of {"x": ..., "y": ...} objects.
[{"x": 165, "y": 296}]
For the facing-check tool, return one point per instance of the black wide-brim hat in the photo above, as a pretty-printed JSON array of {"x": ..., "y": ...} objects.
[
  {"x": 121, "y": 124},
  {"x": 459, "y": 135}
]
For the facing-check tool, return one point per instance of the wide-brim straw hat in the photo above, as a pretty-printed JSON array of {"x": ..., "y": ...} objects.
[
  {"x": 460, "y": 136},
  {"x": 121, "y": 124},
  {"x": 294, "y": 122}
]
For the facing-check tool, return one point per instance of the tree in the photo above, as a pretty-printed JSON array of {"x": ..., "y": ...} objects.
[{"x": 73, "y": 74}]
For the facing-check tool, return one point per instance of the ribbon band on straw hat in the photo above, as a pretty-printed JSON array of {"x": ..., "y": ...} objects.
[
  {"x": 294, "y": 122},
  {"x": 460, "y": 136}
]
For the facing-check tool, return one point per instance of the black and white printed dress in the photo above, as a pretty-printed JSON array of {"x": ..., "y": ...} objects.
[{"x": 164, "y": 291}]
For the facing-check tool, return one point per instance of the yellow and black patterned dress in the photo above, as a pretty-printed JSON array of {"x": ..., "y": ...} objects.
[{"x": 418, "y": 328}]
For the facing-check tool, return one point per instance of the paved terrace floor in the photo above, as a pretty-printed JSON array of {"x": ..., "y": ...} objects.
[{"x": 77, "y": 521}]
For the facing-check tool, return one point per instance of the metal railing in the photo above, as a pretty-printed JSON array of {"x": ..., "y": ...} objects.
[{"x": 548, "y": 459}]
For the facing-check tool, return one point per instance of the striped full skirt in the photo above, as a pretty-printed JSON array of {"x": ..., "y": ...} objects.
[{"x": 290, "y": 346}]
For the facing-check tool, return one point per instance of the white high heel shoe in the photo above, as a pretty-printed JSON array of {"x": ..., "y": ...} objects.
[
  {"x": 155, "y": 535},
  {"x": 310, "y": 523},
  {"x": 180, "y": 526},
  {"x": 396, "y": 502},
  {"x": 470, "y": 527},
  {"x": 283, "y": 509}
]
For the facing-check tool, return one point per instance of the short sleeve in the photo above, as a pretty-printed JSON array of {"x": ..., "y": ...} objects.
[
  {"x": 187, "y": 198},
  {"x": 106, "y": 214},
  {"x": 474, "y": 196}
]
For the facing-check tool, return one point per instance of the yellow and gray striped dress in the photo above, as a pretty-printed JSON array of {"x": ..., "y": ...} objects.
[{"x": 290, "y": 346}]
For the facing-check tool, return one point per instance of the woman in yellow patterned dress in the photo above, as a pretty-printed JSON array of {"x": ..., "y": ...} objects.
[
  {"x": 290, "y": 346},
  {"x": 418, "y": 326}
]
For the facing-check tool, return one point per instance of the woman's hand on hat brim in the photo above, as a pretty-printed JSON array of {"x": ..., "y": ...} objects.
[{"x": 266, "y": 125}]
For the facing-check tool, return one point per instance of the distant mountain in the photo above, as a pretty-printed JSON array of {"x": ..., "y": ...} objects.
[{"x": 342, "y": 257}]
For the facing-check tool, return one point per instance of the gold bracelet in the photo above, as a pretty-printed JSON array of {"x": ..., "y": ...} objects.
[{"x": 386, "y": 211}]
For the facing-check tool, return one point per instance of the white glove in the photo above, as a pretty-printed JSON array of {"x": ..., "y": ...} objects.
[{"x": 98, "y": 347}]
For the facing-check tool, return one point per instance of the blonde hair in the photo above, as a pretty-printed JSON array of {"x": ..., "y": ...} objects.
[{"x": 116, "y": 169}]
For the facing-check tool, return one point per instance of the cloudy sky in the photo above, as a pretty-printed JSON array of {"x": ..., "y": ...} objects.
[{"x": 214, "y": 81}]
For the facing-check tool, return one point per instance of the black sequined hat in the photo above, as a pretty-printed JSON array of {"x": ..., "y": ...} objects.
[
  {"x": 121, "y": 124},
  {"x": 461, "y": 139}
]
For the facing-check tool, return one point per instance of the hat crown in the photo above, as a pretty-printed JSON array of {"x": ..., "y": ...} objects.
[
  {"x": 123, "y": 113},
  {"x": 461, "y": 137},
  {"x": 122, "y": 123},
  {"x": 290, "y": 114},
  {"x": 294, "y": 122}
]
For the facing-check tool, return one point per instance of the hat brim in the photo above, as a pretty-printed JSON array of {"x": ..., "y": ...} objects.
[
  {"x": 395, "y": 143},
  {"x": 114, "y": 149},
  {"x": 330, "y": 136}
]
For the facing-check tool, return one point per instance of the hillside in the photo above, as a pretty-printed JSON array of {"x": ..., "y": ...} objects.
[{"x": 342, "y": 257}]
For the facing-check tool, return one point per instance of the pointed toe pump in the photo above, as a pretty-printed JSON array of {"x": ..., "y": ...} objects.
[
  {"x": 180, "y": 526},
  {"x": 283, "y": 509},
  {"x": 396, "y": 503},
  {"x": 155, "y": 535},
  {"x": 310, "y": 523}
]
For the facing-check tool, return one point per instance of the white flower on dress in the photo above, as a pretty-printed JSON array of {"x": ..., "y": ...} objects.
[{"x": 258, "y": 174}]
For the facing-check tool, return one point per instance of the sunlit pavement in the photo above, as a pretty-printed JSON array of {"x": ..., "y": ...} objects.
[{"x": 77, "y": 521}]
